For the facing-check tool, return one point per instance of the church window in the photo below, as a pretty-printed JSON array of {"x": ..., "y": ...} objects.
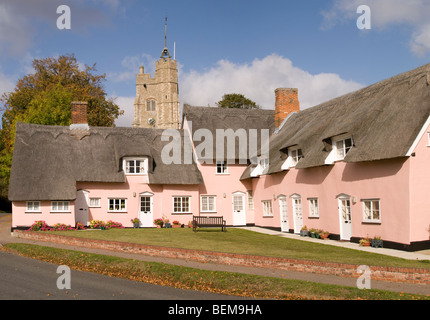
[{"x": 150, "y": 105}]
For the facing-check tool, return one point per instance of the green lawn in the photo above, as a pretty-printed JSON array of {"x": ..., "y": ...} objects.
[
  {"x": 203, "y": 280},
  {"x": 245, "y": 242}
]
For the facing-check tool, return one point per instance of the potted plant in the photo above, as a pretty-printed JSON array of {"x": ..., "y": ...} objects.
[
  {"x": 365, "y": 242},
  {"x": 377, "y": 242},
  {"x": 136, "y": 222},
  {"x": 176, "y": 224},
  {"x": 314, "y": 233},
  {"x": 324, "y": 234},
  {"x": 159, "y": 222},
  {"x": 304, "y": 231}
]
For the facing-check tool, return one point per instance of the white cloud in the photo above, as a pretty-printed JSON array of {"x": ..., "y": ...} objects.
[
  {"x": 127, "y": 105},
  {"x": 386, "y": 14},
  {"x": 258, "y": 81}
]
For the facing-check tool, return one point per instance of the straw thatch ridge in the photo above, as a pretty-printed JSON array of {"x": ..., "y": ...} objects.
[
  {"x": 49, "y": 160},
  {"x": 383, "y": 119}
]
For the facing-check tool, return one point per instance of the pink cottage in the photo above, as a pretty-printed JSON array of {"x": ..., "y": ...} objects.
[{"x": 354, "y": 166}]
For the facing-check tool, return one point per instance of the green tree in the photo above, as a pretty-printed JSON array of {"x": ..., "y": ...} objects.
[
  {"x": 236, "y": 100},
  {"x": 45, "y": 96}
]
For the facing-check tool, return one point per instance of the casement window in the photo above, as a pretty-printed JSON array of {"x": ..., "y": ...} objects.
[
  {"x": 32, "y": 206},
  {"x": 371, "y": 211},
  {"x": 221, "y": 167},
  {"x": 117, "y": 205},
  {"x": 342, "y": 147},
  {"x": 250, "y": 200},
  {"x": 313, "y": 208},
  {"x": 208, "y": 203},
  {"x": 60, "y": 206},
  {"x": 95, "y": 202},
  {"x": 150, "y": 105},
  {"x": 135, "y": 166},
  {"x": 181, "y": 204},
  {"x": 267, "y": 208},
  {"x": 296, "y": 155},
  {"x": 264, "y": 163}
]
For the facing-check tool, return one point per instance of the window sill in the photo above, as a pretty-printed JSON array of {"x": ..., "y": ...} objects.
[
  {"x": 267, "y": 216},
  {"x": 61, "y": 212},
  {"x": 208, "y": 211},
  {"x": 371, "y": 222},
  {"x": 33, "y": 212},
  {"x": 179, "y": 213},
  {"x": 117, "y": 211},
  {"x": 313, "y": 217},
  {"x": 222, "y": 174}
]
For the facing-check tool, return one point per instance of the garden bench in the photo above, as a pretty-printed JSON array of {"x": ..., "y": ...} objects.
[{"x": 203, "y": 222}]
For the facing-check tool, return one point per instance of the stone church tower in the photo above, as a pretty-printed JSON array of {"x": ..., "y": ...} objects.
[{"x": 157, "y": 101}]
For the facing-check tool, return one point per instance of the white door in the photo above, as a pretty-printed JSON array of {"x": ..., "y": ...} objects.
[
  {"x": 283, "y": 212},
  {"x": 239, "y": 215},
  {"x": 297, "y": 213},
  {"x": 345, "y": 218},
  {"x": 145, "y": 211},
  {"x": 81, "y": 207}
]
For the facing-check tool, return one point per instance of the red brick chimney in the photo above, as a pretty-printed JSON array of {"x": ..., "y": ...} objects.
[
  {"x": 287, "y": 101},
  {"x": 79, "y": 112}
]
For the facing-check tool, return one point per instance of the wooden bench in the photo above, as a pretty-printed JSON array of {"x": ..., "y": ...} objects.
[{"x": 208, "y": 222}]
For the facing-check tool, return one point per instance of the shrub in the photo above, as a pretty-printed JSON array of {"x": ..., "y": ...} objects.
[
  {"x": 113, "y": 225},
  {"x": 80, "y": 226},
  {"x": 39, "y": 226},
  {"x": 61, "y": 227},
  {"x": 96, "y": 224}
]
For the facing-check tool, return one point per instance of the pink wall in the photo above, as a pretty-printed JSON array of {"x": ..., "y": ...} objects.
[
  {"x": 386, "y": 180},
  {"x": 225, "y": 184},
  {"x": 420, "y": 190},
  {"x": 21, "y": 218}
]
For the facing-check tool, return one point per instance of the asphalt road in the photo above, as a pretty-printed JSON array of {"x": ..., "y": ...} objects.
[{"x": 25, "y": 278}]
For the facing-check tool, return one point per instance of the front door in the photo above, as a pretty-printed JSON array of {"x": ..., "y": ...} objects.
[
  {"x": 283, "y": 212},
  {"x": 297, "y": 213},
  {"x": 145, "y": 212},
  {"x": 345, "y": 218},
  {"x": 81, "y": 207},
  {"x": 239, "y": 215}
]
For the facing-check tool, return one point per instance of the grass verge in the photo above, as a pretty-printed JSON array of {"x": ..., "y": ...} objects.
[
  {"x": 246, "y": 242},
  {"x": 202, "y": 280}
]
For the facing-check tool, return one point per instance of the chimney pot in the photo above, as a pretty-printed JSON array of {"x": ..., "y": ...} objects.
[
  {"x": 286, "y": 102},
  {"x": 79, "y": 114}
]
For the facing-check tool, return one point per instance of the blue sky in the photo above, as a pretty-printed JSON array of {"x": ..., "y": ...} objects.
[{"x": 250, "y": 47}]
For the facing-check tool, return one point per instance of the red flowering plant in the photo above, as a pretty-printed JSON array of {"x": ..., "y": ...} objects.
[{"x": 39, "y": 226}]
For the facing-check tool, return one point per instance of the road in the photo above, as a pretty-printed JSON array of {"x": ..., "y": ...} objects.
[{"x": 25, "y": 278}]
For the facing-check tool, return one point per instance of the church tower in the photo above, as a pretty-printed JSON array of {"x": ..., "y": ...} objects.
[{"x": 157, "y": 102}]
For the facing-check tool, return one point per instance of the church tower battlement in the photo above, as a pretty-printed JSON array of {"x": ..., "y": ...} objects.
[{"x": 157, "y": 98}]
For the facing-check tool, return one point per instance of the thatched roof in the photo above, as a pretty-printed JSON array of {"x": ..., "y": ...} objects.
[
  {"x": 49, "y": 160},
  {"x": 213, "y": 118},
  {"x": 383, "y": 119}
]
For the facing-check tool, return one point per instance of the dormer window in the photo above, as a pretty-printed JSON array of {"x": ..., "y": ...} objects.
[
  {"x": 341, "y": 145},
  {"x": 294, "y": 155},
  {"x": 135, "y": 166}
]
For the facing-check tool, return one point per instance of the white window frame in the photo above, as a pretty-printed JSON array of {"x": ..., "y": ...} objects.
[
  {"x": 96, "y": 204},
  {"x": 31, "y": 206},
  {"x": 60, "y": 206},
  {"x": 313, "y": 208},
  {"x": 250, "y": 200},
  {"x": 294, "y": 156},
  {"x": 205, "y": 200},
  {"x": 372, "y": 210},
  {"x": 221, "y": 167},
  {"x": 336, "y": 153},
  {"x": 117, "y": 202},
  {"x": 181, "y": 204},
  {"x": 428, "y": 139},
  {"x": 142, "y": 168},
  {"x": 267, "y": 208}
]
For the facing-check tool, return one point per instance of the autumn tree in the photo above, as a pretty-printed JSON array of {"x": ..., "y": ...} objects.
[
  {"x": 236, "y": 100},
  {"x": 45, "y": 96}
]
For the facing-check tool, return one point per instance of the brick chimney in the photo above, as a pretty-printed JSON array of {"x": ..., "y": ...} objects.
[
  {"x": 79, "y": 113},
  {"x": 79, "y": 127},
  {"x": 286, "y": 102}
]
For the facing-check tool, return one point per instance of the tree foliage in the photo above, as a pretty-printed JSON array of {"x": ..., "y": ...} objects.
[
  {"x": 45, "y": 96},
  {"x": 236, "y": 100}
]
